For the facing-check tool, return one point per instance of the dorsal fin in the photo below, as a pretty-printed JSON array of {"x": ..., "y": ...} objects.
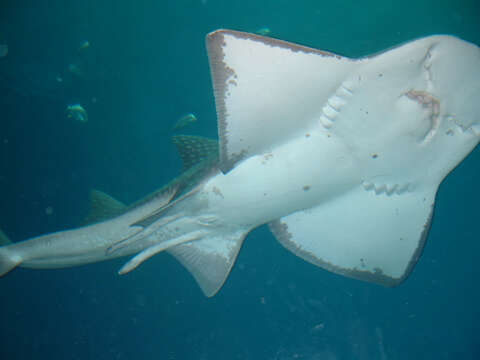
[
  {"x": 194, "y": 149},
  {"x": 102, "y": 207}
]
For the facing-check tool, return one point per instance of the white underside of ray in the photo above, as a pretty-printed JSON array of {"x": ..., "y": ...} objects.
[
  {"x": 260, "y": 103},
  {"x": 368, "y": 236}
]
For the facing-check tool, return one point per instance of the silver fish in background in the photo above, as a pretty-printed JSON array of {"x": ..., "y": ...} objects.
[
  {"x": 341, "y": 157},
  {"x": 184, "y": 121}
]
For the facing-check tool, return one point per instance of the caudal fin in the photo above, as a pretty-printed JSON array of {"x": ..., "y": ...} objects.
[{"x": 8, "y": 260}]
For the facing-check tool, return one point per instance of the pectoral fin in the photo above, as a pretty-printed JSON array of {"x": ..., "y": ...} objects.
[{"x": 362, "y": 235}]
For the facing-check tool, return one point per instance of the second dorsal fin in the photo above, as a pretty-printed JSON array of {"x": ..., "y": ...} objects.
[{"x": 103, "y": 207}]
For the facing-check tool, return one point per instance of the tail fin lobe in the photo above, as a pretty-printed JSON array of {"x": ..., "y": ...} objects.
[{"x": 8, "y": 260}]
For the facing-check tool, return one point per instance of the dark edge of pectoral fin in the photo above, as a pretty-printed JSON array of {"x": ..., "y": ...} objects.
[{"x": 339, "y": 236}]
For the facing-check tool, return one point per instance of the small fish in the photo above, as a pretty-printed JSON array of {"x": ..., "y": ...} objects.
[
  {"x": 84, "y": 45},
  {"x": 77, "y": 112},
  {"x": 264, "y": 31},
  {"x": 184, "y": 121},
  {"x": 3, "y": 50}
]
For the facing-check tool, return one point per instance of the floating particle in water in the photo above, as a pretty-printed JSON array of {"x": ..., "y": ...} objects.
[
  {"x": 75, "y": 69},
  {"x": 318, "y": 327},
  {"x": 184, "y": 121},
  {"x": 3, "y": 50},
  {"x": 77, "y": 112}
]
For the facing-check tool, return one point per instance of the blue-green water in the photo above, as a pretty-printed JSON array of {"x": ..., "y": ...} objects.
[{"x": 145, "y": 67}]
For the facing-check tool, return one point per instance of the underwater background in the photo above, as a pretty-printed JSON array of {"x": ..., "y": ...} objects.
[{"x": 136, "y": 67}]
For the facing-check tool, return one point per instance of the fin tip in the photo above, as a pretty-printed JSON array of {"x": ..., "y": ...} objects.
[{"x": 8, "y": 261}]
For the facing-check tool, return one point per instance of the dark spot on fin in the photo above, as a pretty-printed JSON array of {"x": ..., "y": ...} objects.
[
  {"x": 102, "y": 207},
  {"x": 194, "y": 149}
]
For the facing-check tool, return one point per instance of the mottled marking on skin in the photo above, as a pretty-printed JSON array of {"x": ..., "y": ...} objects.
[
  {"x": 274, "y": 43},
  {"x": 220, "y": 88},
  {"x": 266, "y": 157},
  {"x": 217, "y": 191}
]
